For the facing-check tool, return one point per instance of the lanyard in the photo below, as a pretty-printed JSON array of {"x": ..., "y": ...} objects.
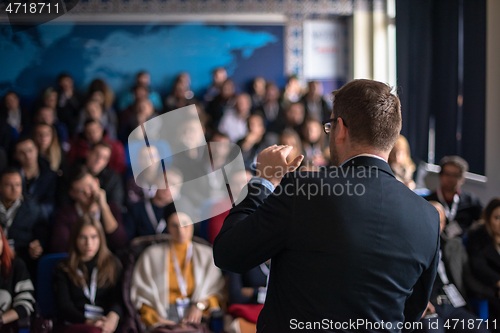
[
  {"x": 450, "y": 213},
  {"x": 158, "y": 226},
  {"x": 180, "y": 279},
  {"x": 266, "y": 271},
  {"x": 90, "y": 293},
  {"x": 442, "y": 270}
]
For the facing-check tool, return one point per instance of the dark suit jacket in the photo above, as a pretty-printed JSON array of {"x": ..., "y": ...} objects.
[
  {"x": 336, "y": 257},
  {"x": 484, "y": 258}
]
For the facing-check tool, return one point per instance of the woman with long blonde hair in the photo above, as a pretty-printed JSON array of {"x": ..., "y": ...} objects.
[
  {"x": 87, "y": 283},
  {"x": 401, "y": 163},
  {"x": 45, "y": 138}
]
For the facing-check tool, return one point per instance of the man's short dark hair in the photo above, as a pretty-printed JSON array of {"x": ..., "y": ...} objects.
[
  {"x": 455, "y": 161},
  {"x": 23, "y": 138},
  {"x": 77, "y": 173},
  {"x": 9, "y": 171},
  {"x": 63, "y": 76},
  {"x": 91, "y": 121},
  {"x": 370, "y": 111},
  {"x": 102, "y": 144},
  {"x": 140, "y": 86}
]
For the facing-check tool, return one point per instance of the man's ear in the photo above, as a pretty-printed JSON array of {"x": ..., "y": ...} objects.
[{"x": 341, "y": 134}]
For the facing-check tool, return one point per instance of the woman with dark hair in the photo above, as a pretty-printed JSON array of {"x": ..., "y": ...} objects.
[
  {"x": 82, "y": 308},
  {"x": 16, "y": 289},
  {"x": 483, "y": 246}
]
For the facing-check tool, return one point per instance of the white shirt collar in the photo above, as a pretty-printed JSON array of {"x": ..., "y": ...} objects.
[{"x": 364, "y": 154}]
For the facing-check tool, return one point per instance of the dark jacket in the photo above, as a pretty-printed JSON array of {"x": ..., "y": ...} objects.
[
  {"x": 484, "y": 258},
  {"x": 336, "y": 256},
  {"x": 43, "y": 188},
  {"x": 111, "y": 182}
]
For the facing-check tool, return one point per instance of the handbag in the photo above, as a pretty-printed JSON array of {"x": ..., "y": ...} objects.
[{"x": 182, "y": 328}]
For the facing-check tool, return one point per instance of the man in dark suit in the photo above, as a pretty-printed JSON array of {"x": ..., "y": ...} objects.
[{"x": 351, "y": 247}]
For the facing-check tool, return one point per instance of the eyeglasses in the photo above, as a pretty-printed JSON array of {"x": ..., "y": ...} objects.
[{"x": 327, "y": 124}]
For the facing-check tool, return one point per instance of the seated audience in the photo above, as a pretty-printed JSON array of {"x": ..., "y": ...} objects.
[
  {"x": 461, "y": 207},
  {"x": 290, "y": 138},
  {"x": 234, "y": 121},
  {"x": 442, "y": 306},
  {"x": 292, "y": 118},
  {"x": 136, "y": 193},
  {"x": 271, "y": 109},
  {"x": 314, "y": 103},
  {"x": 8, "y": 136},
  {"x": 11, "y": 111},
  {"x": 482, "y": 245},
  {"x": 255, "y": 141},
  {"x": 48, "y": 116},
  {"x": 142, "y": 110},
  {"x": 258, "y": 92},
  {"x": 39, "y": 181},
  {"x": 23, "y": 222},
  {"x": 219, "y": 76},
  {"x": 90, "y": 199},
  {"x": 92, "y": 134},
  {"x": 97, "y": 164},
  {"x": 180, "y": 97},
  {"x": 149, "y": 217},
  {"x": 247, "y": 293},
  {"x": 94, "y": 110},
  {"x": 401, "y": 163},
  {"x": 17, "y": 297},
  {"x": 176, "y": 281},
  {"x": 69, "y": 103},
  {"x": 81, "y": 308},
  {"x": 45, "y": 139},
  {"x": 291, "y": 93},
  {"x": 313, "y": 141},
  {"x": 221, "y": 102},
  {"x": 142, "y": 79}
]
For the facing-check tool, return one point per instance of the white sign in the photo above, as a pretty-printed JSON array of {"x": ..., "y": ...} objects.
[{"x": 324, "y": 50}]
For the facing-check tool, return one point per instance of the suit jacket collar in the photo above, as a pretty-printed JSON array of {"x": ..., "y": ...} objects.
[{"x": 369, "y": 161}]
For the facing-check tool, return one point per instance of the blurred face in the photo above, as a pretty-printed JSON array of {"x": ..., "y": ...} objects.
[
  {"x": 227, "y": 89},
  {"x": 272, "y": 93},
  {"x": 46, "y": 115},
  {"x": 66, "y": 83},
  {"x": 26, "y": 153},
  {"x": 98, "y": 159},
  {"x": 43, "y": 137},
  {"x": 88, "y": 242},
  {"x": 141, "y": 93},
  {"x": 11, "y": 187},
  {"x": 220, "y": 76},
  {"x": 315, "y": 88},
  {"x": 259, "y": 86},
  {"x": 295, "y": 114},
  {"x": 294, "y": 86},
  {"x": 144, "y": 110},
  {"x": 451, "y": 178},
  {"x": 312, "y": 131},
  {"x": 175, "y": 227},
  {"x": 221, "y": 150},
  {"x": 495, "y": 222},
  {"x": 180, "y": 90},
  {"x": 148, "y": 156},
  {"x": 98, "y": 97},
  {"x": 82, "y": 191},
  {"x": 191, "y": 134},
  {"x": 93, "y": 132},
  {"x": 94, "y": 110},
  {"x": 256, "y": 124},
  {"x": 144, "y": 79},
  {"x": 243, "y": 105},
  {"x": 12, "y": 102},
  {"x": 51, "y": 100}
]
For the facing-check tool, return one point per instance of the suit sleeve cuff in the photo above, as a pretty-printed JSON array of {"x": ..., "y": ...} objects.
[{"x": 262, "y": 181}]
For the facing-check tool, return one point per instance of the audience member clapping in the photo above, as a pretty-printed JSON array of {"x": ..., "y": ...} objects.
[
  {"x": 80, "y": 308},
  {"x": 176, "y": 281},
  {"x": 89, "y": 199}
]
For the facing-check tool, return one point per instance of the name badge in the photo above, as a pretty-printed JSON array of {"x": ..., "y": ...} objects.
[
  {"x": 93, "y": 312},
  {"x": 454, "y": 295},
  {"x": 182, "y": 304}
]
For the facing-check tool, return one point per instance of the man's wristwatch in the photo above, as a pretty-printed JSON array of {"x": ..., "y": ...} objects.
[{"x": 201, "y": 306}]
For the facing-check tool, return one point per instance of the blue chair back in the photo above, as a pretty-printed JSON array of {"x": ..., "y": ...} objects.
[
  {"x": 480, "y": 307},
  {"x": 44, "y": 288}
]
